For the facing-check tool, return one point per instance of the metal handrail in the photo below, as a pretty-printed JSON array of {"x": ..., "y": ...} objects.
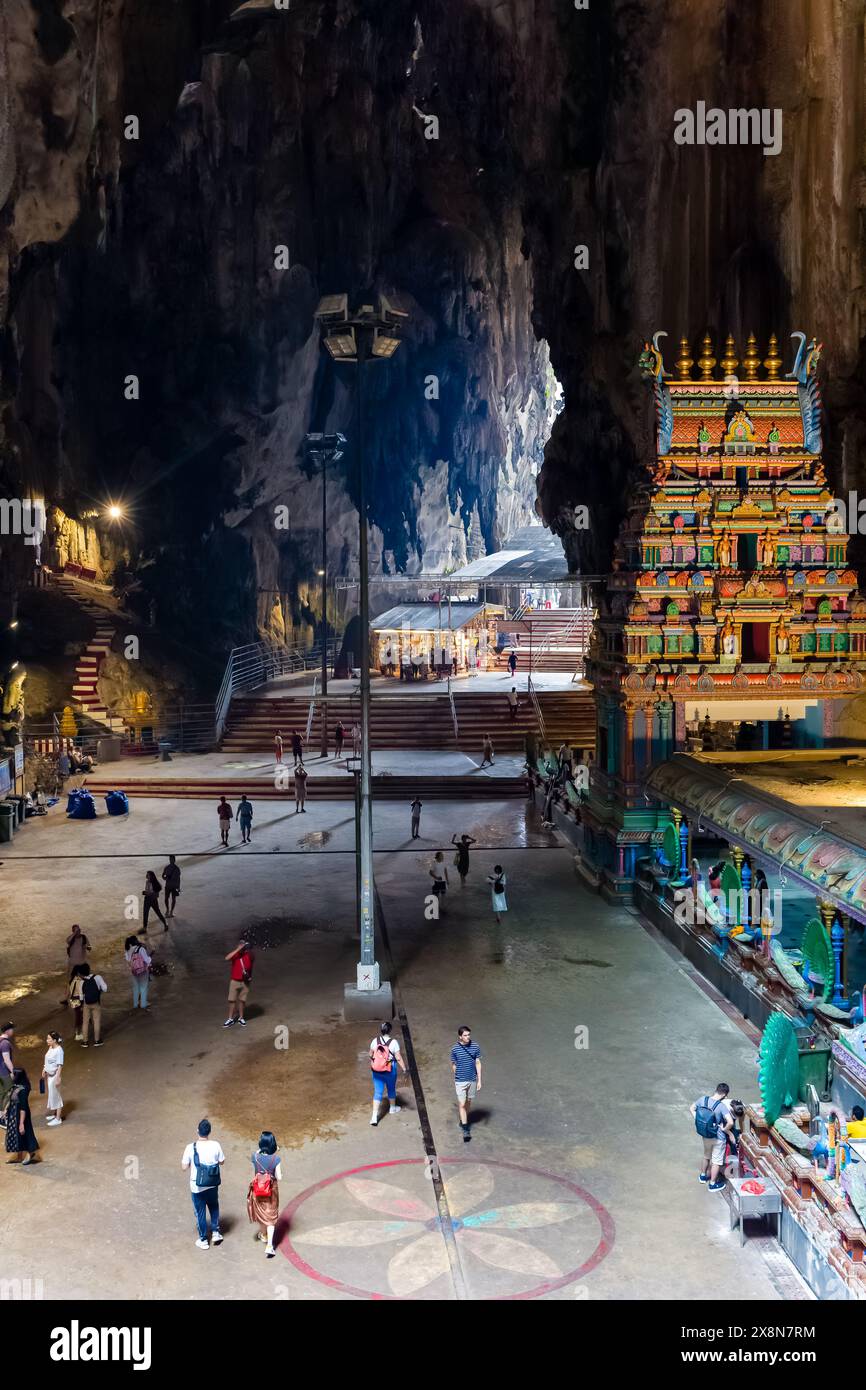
[
  {"x": 257, "y": 663},
  {"x": 453, "y": 713},
  {"x": 578, "y": 617},
  {"x": 536, "y": 705},
  {"x": 311, "y": 711}
]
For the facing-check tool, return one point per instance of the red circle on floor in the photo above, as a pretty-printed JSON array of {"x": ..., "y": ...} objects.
[{"x": 602, "y": 1215}]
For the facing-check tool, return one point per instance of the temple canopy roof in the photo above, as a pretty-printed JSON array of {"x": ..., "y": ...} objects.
[
  {"x": 531, "y": 555},
  {"x": 428, "y": 617},
  {"x": 802, "y": 812}
]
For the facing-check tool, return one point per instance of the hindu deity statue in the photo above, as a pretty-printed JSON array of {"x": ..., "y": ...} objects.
[
  {"x": 766, "y": 550},
  {"x": 728, "y": 638},
  {"x": 782, "y": 638},
  {"x": 724, "y": 550}
]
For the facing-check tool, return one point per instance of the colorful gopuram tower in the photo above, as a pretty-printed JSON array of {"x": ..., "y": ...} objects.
[{"x": 730, "y": 600}]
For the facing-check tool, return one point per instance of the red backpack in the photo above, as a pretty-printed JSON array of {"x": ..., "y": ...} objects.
[{"x": 381, "y": 1057}]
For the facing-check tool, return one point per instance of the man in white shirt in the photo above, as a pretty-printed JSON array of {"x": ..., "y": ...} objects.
[{"x": 204, "y": 1157}]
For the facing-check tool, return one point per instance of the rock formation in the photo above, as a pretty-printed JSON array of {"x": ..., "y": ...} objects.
[{"x": 155, "y": 257}]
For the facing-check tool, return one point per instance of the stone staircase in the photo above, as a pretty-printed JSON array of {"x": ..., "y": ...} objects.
[
  {"x": 339, "y": 787},
  {"x": 86, "y": 675},
  {"x": 415, "y": 720},
  {"x": 559, "y": 639}
]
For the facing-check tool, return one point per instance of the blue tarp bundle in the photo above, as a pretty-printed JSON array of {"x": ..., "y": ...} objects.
[
  {"x": 79, "y": 805},
  {"x": 117, "y": 803}
]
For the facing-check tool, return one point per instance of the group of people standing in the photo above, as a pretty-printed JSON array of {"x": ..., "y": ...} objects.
[
  {"x": 438, "y": 872},
  {"x": 16, "y": 1119}
]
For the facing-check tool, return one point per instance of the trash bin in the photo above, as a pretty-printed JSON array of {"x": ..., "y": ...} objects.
[
  {"x": 20, "y": 809},
  {"x": 165, "y": 746},
  {"x": 7, "y": 821},
  {"x": 108, "y": 750}
]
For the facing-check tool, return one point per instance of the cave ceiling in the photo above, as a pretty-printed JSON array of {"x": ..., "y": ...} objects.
[{"x": 147, "y": 248}]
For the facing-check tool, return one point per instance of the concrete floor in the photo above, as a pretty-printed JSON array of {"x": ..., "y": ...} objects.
[
  {"x": 222, "y": 767},
  {"x": 580, "y": 1181}
]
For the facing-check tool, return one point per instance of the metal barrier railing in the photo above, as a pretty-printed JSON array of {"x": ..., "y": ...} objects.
[
  {"x": 311, "y": 711},
  {"x": 453, "y": 714},
  {"x": 536, "y": 705},
  {"x": 256, "y": 664}
]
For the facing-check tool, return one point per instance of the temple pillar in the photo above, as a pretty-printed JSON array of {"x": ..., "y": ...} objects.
[
  {"x": 649, "y": 715},
  {"x": 666, "y": 711},
  {"x": 628, "y": 744}
]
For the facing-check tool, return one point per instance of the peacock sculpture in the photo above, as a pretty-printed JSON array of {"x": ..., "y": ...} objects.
[
  {"x": 778, "y": 1066},
  {"x": 651, "y": 365},
  {"x": 808, "y": 391},
  {"x": 818, "y": 958}
]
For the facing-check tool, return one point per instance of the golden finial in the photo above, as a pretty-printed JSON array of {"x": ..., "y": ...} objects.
[
  {"x": 706, "y": 361},
  {"x": 729, "y": 361},
  {"x": 752, "y": 359},
  {"x": 684, "y": 363},
  {"x": 773, "y": 360}
]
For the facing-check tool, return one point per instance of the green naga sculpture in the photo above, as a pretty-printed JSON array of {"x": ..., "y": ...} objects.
[{"x": 778, "y": 1066}]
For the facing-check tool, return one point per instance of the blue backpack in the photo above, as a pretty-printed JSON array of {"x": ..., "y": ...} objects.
[{"x": 705, "y": 1119}]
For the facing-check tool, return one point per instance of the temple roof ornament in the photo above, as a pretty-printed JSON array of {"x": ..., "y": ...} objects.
[
  {"x": 808, "y": 393},
  {"x": 706, "y": 361},
  {"x": 752, "y": 359},
  {"x": 684, "y": 362},
  {"x": 729, "y": 362},
  {"x": 773, "y": 360}
]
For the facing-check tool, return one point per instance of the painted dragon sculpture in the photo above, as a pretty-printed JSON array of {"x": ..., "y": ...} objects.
[
  {"x": 805, "y": 374},
  {"x": 652, "y": 366}
]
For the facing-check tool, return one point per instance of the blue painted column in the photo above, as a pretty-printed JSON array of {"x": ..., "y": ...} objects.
[{"x": 837, "y": 940}]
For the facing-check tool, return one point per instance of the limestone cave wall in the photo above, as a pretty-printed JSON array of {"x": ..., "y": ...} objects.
[{"x": 258, "y": 128}]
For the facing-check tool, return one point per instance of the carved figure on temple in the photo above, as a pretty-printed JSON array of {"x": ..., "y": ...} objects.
[
  {"x": 728, "y": 637},
  {"x": 773, "y": 438},
  {"x": 651, "y": 365},
  {"x": 703, "y": 438},
  {"x": 766, "y": 550},
  {"x": 723, "y": 550},
  {"x": 805, "y": 374},
  {"x": 782, "y": 638}
]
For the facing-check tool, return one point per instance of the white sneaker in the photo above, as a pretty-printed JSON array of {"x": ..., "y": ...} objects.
[
  {"x": 395, "y": 1110},
  {"x": 202, "y": 1245},
  {"x": 375, "y": 1120},
  {"x": 54, "y": 1121},
  {"x": 216, "y": 1238}
]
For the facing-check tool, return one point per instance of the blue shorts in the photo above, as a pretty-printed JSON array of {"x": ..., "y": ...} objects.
[{"x": 381, "y": 1079}]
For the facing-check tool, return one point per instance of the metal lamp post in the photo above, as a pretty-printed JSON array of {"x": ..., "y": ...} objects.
[
  {"x": 323, "y": 449},
  {"x": 366, "y": 336}
]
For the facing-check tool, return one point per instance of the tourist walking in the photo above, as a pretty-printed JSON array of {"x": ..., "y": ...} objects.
[
  {"x": 497, "y": 881},
  {"x": 461, "y": 858},
  {"x": 75, "y": 999},
  {"x": 245, "y": 819},
  {"x": 385, "y": 1058},
  {"x": 487, "y": 751},
  {"x": 242, "y": 960},
  {"x": 278, "y": 747},
  {"x": 204, "y": 1159},
  {"x": 713, "y": 1120},
  {"x": 301, "y": 776},
  {"x": 171, "y": 879},
  {"x": 439, "y": 875},
  {"x": 92, "y": 989},
  {"x": 139, "y": 962},
  {"x": 7, "y": 1063},
  {"x": 225, "y": 814},
  {"x": 77, "y": 947},
  {"x": 263, "y": 1193},
  {"x": 466, "y": 1069},
  {"x": 297, "y": 747},
  {"x": 356, "y": 740},
  {"x": 415, "y": 812},
  {"x": 339, "y": 735},
  {"x": 52, "y": 1070},
  {"x": 20, "y": 1138},
  {"x": 513, "y": 703},
  {"x": 150, "y": 893},
  {"x": 512, "y": 662}
]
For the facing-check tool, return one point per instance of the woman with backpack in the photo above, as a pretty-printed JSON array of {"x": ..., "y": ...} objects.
[
  {"x": 263, "y": 1194},
  {"x": 497, "y": 881},
  {"x": 139, "y": 963},
  {"x": 152, "y": 890},
  {"x": 384, "y": 1059}
]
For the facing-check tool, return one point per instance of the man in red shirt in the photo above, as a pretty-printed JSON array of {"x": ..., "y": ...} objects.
[{"x": 242, "y": 959}]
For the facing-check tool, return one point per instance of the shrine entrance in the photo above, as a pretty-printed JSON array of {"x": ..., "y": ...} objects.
[{"x": 756, "y": 642}]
